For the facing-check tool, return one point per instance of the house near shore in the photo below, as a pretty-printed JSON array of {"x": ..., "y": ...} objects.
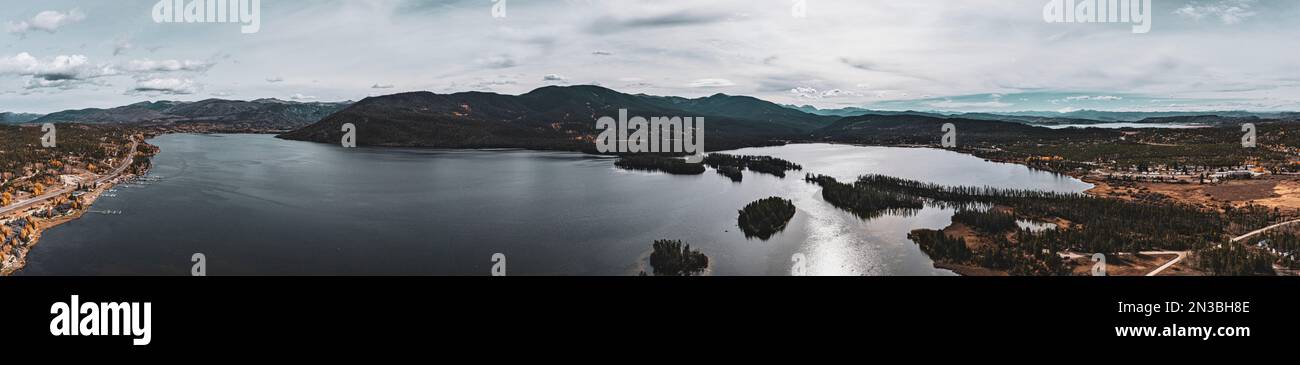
[{"x": 1236, "y": 174}]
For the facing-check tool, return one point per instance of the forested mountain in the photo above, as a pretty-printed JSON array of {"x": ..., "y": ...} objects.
[
  {"x": 17, "y": 118},
  {"x": 1073, "y": 117},
  {"x": 261, "y": 113},
  {"x": 550, "y": 118},
  {"x": 916, "y": 129}
]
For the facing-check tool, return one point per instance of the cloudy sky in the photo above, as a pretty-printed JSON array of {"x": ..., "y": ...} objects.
[{"x": 945, "y": 55}]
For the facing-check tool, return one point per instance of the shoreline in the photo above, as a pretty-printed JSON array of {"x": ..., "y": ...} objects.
[
  {"x": 11, "y": 265},
  {"x": 1100, "y": 189}
]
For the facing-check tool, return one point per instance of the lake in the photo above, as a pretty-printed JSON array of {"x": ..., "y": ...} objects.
[
  {"x": 1119, "y": 125},
  {"x": 257, "y": 205}
]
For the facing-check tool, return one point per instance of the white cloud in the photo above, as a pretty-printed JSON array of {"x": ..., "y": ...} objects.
[
  {"x": 302, "y": 97},
  {"x": 502, "y": 61},
  {"x": 147, "y": 65},
  {"x": 963, "y": 105},
  {"x": 812, "y": 93},
  {"x": 274, "y": 79},
  {"x": 554, "y": 78},
  {"x": 1227, "y": 11},
  {"x": 48, "y": 21},
  {"x": 896, "y": 50},
  {"x": 63, "y": 71},
  {"x": 1095, "y": 98},
  {"x": 381, "y": 86},
  {"x": 706, "y": 83},
  {"x": 170, "y": 86}
]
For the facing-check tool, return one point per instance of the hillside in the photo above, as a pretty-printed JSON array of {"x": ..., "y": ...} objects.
[
  {"x": 916, "y": 129},
  {"x": 552, "y": 117},
  {"x": 17, "y": 118},
  {"x": 258, "y": 114}
]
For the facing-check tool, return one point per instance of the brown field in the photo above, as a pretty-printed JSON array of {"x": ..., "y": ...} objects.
[
  {"x": 1273, "y": 191},
  {"x": 1133, "y": 265}
]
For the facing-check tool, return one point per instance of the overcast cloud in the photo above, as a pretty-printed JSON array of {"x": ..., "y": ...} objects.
[{"x": 972, "y": 55}]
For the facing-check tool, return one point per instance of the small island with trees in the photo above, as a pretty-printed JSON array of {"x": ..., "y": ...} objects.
[
  {"x": 671, "y": 165},
  {"x": 764, "y": 218},
  {"x": 762, "y": 164},
  {"x": 674, "y": 258}
]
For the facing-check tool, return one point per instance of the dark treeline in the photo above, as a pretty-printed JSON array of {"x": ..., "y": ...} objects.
[
  {"x": 1284, "y": 246},
  {"x": 673, "y": 258},
  {"x": 1097, "y": 224},
  {"x": 766, "y": 217},
  {"x": 1029, "y": 255},
  {"x": 1242, "y": 220},
  {"x": 731, "y": 172},
  {"x": 940, "y": 247},
  {"x": 864, "y": 200},
  {"x": 988, "y": 222},
  {"x": 671, "y": 165},
  {"x": 764, "y": 164},
  {"x": 1234, "y": 260}
]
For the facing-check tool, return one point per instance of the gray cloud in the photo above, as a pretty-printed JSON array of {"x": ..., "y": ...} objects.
[
  {"x": 168, "y": 86},
  {"x": 148, "y": 65},
  {"x": 606, "y": 25},
  {"x": 497, "y": 62},
  {"x": 62, "y": 72}
]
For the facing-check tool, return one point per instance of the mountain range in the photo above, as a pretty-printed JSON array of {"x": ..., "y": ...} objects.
[
  {"x": 1057, "y": 118},
  {"x": 268, "y": 114},
  {"x": 563, "y": 118},
  {"x": 551, "y": 117},
  {"x": 17, "y": 118}
]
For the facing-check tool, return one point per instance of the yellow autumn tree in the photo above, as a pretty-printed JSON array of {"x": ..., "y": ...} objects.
[
  {"x": 38, "y": 189},
  {"x": 6, "y": 199}
]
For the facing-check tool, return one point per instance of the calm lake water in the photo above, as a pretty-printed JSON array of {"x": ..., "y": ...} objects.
[
  {"x": 1119, "y": 125},
  {"x": 257, "y": 205}
]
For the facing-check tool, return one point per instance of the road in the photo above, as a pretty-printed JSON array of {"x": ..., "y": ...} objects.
[
  {"x": 23, "y": 204},
  {"x": 1262, "y": 230},
  {"x": 1171, "y": 263},
  {"x": 1181, "y": 255}
]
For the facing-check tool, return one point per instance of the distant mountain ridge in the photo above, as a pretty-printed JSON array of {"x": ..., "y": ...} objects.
[
  {"x": 18, "y": 118},
  {"x": 553, "y": 117},
  {"x": 563, "y": 118},
  {"x": 261, "y": 113},
  {"x": 1056, "y": 118}
]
